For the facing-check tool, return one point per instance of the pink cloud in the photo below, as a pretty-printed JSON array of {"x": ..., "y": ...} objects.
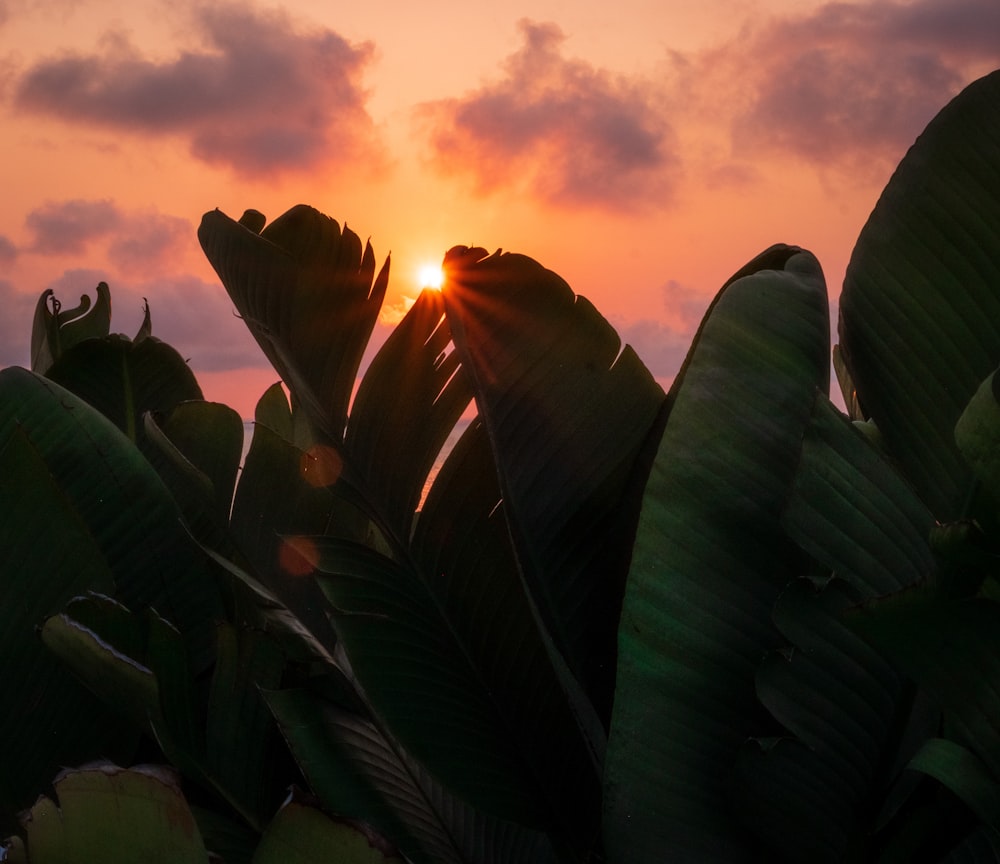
[
  {"x": 566, "y": 131},
  {"x": 850, "y": 83},
  {"x": 67, "y": 227},
  {"x": 135, "y": 240},
  {"x": 8, "y": 251},
  {"x": 261, "y": 97},
  {"x": 660, "y": 346},
  {"x": 147, "y": 239}
]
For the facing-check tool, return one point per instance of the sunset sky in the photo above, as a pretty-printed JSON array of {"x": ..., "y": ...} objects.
[{"x": 642, "y": 149}]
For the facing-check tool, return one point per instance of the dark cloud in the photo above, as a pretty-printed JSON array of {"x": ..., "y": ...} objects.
[
  {"x": 8, "y": 251},
  {"x": 136, "y": 240},
  {"x": 60, "y": 227},
  {"x": 849, "y": 82},
  {"x": 262, "y": 96},
  {"x": 147, "y": 240},
  {"x": 567, "y": 131},
  {"x": 15, "y": 325}
]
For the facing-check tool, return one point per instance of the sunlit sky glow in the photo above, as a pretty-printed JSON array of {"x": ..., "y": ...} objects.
[{"x": 644, "y": 150}]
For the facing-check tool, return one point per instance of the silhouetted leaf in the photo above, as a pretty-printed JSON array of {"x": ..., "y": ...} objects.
[
  {"x": 920, "y": 310},
  {"x": 105, "y": 813},
  {"x": 306, "y": 291},
  {"x": 709, "y": 562},
  {"x": 567, "y": 409}
]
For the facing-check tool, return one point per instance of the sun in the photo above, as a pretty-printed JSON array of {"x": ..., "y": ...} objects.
[{"x": 430, "y": 276}]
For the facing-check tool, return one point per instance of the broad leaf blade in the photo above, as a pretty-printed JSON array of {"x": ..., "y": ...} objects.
[
  {"x": 709, "y": 562},
  {"x": 300, "y": 834},
  {"x": 952, "y": 649},
  {"x": 810, "y": 797},
  {"x": 359, "y": 772},
  {"x": 106, "y": 813},
  {"x": 852, "y": 511},
  {"x": 124, "y": 379},
  {"x": 920, "y": 309},
  {"x": 47, "y": 554},
  {"x": 154, "y": 561},
  {"x": 310, "y": 297},
  {"x": 567, "y": 410},
  {"x": 407, "y": 404},
  {"x": 56, "y": 330}
]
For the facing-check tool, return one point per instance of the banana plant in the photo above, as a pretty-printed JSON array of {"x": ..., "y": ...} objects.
[{"x": 723, "y": 624}]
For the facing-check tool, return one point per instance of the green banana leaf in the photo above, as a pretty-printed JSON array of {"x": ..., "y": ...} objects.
[
  {"x": 853, "y": 512},
  {"x": 105, "y": 813},
  {"x": 393, "y": 434},
  {"x": 102, "y": 475},
  {"x": 359, "y": 772},
  {"x": 218, "y": 734},
  {"x": 47, "y": 554},
  {"x": 815, "y": 794},
  {"x": 273, "y": 501},
  {"x": 309, "y": 296},
  {"x": 123, "y": 379},
  {"x": 977, "y": 434},
  {"x": 301, "y": 834},
  {"x": 819, "y": 793},
  {"x": 950, "y": 647},
  {"x": 202, "y": 443},
  {"x": 428, "y": 391},
  {"x": 920, "y": 309},
  {"x": 568, "y": 410},
  {"x": 457, "y": 637},
  {"x": 964, "y": 774},
  {"x": 709, "y": 562},
  {"x": 55, "y": 330}
]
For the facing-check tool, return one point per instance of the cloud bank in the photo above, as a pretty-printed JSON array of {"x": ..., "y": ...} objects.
[
  {"x": 569, "y": 132},
  {"x": 260, "y": 97},
  {"x": 849, "y": 81},
  {"x": 136, "y": 240}
]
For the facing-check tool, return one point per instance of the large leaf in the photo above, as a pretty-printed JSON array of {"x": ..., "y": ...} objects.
[
  {"x": 139, "y": 665},
  {"x": 438, "y": 597},
  {"x": 125, "y": 379},
  {"x": 130, "y": 514},
  {"x": 854, "y": 513},
  {"x": 274, "y": 500},
  {"x": 105, "y": 813},
  {"x": 309, "y": 295},
  {"x": 56, "y": 330},
  {"x": 951, "y": 647},
  {"x": 454, "y": 633},
  {"x": 301, "y": 834},
  {"x": 408, "y": 402},
  {"x": 196, "y": 449},
  {"x": 920, "y": 309},
  {"x": 812, "y": 795},
  {"x": 47, "y": 554},
  {"x": 359, "y": 772},
  {"x": 567, "y": 409},
  {"x": 709, "y": 562}
]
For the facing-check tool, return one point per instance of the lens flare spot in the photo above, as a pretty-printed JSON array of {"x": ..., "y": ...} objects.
[
  {"x": 320, "y": 466},
  {"x": 297, "y": 556}
]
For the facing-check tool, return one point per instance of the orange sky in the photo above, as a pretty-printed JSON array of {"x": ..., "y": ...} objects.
[{"x": 644, "y": 150}]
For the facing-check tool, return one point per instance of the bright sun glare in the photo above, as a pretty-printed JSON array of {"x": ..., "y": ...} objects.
[{"x": 430, "y": 276}]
